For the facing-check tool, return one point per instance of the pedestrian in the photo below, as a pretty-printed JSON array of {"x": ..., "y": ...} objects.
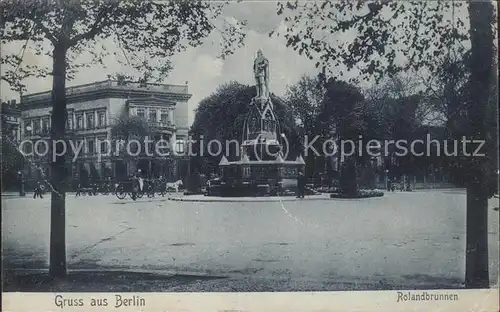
[
  {"x": 207, "y": 187},
  {"x": 135, "y": 186},
  {"x": 78, "y": 190},
  {"x": 301, "y": 185},
  {"x": 402, "y": 183},
  {"x": 141, "y": 181},
  {"x": 38, "y": 190}
]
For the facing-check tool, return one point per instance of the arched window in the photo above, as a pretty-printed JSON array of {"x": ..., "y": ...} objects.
[
  {"x": 253, "y": 123},
  {"x": 267, "y": 122}
]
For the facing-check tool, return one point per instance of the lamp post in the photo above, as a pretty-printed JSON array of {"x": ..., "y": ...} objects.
[
  {"x": 387, "y": 179},
  {"x": 20, "y": 173},
  {"x": 179, "y": 149}
]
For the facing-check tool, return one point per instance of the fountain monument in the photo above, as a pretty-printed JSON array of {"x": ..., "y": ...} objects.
[{"x": 263, "y": 167}]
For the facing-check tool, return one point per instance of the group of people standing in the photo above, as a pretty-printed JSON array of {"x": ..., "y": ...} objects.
[
  {"x": 137, "y": 182},
  {"x": 404, "y": 184},
  {"x": 38, "y": 190},
  {"x": 137, "y": 185},
  {"x": 149, "y": 186}
]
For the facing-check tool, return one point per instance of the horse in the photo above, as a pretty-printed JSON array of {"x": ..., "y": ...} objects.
[{"x": 174, "y": 185}]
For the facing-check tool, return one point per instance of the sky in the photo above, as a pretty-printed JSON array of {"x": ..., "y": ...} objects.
[{"x": 199, "y": 66}]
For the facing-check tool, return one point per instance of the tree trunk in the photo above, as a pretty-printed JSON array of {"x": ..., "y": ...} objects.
[
  {"x": 348, "y": 180},
  {"x": 476, "y": 263},
  {"x": 58, "y": 198}
]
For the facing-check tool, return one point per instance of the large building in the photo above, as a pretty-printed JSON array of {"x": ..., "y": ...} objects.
[{"x": 92, "y": 112}]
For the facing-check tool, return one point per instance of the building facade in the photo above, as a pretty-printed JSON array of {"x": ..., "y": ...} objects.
[
  {"x": 92, "y": 112},
  {"x": 11, "y": 119}
]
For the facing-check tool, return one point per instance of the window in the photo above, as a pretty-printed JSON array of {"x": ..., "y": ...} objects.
[
  {"x": 140, "y": 112},
  {"x": 152, "y": 115},
  {"x": 164, "y": 115},
  {"x": 28, "y": 128},
  {"x": 69, "y": 122},
  {"x": 271, "y": 125},
  {"x": 79, "y": 122},
  {"x": 90, "y": 120},
  {"x": 36, "y": 126},
  {"x": 45, "y": 125},
  {"x": 104, "y": 146},
  {"x": 91, "y": 147},
  {"x": 267, "y": 123},
  {"x": 82, "y": 144},
  {"x": 254, "y": 125},
  {"x": 102, "y": 119}
]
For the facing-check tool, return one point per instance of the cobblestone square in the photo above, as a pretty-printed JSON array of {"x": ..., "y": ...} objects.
[{"x": 411, "y": 239}]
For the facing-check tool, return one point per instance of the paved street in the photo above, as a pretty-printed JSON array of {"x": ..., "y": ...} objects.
[{"x": 400, "y": 239}]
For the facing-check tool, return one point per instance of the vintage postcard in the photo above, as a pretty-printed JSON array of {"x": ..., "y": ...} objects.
[{"x": 249, "y": 155}]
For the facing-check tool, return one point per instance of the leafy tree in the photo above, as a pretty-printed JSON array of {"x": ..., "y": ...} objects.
[
  {"x": 128, "y": 128},
  {"x": 305, "y": 100},
  {"x": 343, "y": 108},
  {"x": 12, "y": 159},
  {"x": 419, "y": 33},
  {"x": 148, "y": 32},
  {"x": 399, "y": 111},
  {"x": 131, "y": 127},
  {"x": 343, "y": 114},
  {"x": 220, "y": 117},
  {"x": 450, "y": 89}
]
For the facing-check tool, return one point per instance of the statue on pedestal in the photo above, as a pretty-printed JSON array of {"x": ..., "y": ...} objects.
[
  {"x": 263, "y": 168},
  {"x": 261, "y": 72}
]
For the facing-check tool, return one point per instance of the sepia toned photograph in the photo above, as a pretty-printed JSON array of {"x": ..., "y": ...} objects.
[{"x": 249, "y": 147}]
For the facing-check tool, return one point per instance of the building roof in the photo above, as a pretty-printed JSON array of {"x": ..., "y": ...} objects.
[
  {"x": 223, "y": 161},
  {"x": 107, "y": 89},
  {"x": 10, "y": 109}
]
